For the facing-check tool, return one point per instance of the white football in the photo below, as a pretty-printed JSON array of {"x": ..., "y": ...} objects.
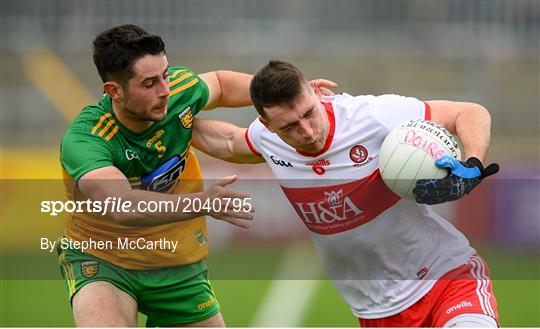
[{"x": 408, "y": 153}]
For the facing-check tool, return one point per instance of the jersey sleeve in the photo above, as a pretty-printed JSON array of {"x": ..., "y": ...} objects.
[
  {"x": 253, "y": 136},
  {"x": 82, "y": 152},
  {"x": 186, "y": 89},
  {"x": 393, "y": 110}
]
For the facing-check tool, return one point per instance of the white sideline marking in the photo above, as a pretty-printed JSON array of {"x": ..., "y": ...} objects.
[{"x": 287, "y": 301}]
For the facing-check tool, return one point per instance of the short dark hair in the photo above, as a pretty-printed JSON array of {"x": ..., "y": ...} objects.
[
  {"x": 277, "y": 83},
  {"x": 116, "y": 50}
]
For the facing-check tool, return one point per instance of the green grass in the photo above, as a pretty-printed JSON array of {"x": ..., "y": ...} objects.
[
  {"x": 327, "y": 309},
  {"x": 239, "y": 300},
  {"x": 519, "y": 302},
  {"x": 29, "y": 303},
  {"x": 33, "y": 303}
]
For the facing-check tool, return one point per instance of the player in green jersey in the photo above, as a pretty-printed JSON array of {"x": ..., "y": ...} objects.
[{"x": 134, "y": 145}]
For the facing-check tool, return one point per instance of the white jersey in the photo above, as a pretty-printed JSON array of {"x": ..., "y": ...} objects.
[{"x": 382, "y": 253}]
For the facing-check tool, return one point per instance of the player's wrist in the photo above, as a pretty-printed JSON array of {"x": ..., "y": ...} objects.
[
  {"x": 491, "y": 169},
  {"x": 203, "y": 198}
]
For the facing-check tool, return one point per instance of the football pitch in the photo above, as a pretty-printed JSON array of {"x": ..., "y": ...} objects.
[{"x": 244, "y": 302}]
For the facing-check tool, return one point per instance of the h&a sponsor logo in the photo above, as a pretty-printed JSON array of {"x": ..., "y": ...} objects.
[
  {"x": 335, "y": 207},
  {"x": 280, "y": 162},
  {"x": 463, "y": 304},
  {"x": 333, "y": 198}
]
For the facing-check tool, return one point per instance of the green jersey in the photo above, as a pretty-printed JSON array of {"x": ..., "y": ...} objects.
[{"x": 96, "y": 139}]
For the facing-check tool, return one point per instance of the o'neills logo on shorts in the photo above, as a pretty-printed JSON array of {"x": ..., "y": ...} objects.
[
  {"x": 206, "y": 304},
  {"x": 339, "y": 208},
  {"x": 463, "y": 304}
]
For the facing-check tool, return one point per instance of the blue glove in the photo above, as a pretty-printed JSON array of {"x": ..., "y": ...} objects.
[{"x": 462, "y": 178}]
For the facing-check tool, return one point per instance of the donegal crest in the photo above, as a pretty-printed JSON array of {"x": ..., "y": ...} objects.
[
  {"x": 90, "y": 268},
  {"x": 186, "y": 117}
]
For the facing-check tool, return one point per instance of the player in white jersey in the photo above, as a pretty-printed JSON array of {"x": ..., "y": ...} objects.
[{"x": 394, "y": 261}]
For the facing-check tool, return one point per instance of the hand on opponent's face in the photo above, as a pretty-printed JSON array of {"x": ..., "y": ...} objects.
[{"x": 321, "y": 86}]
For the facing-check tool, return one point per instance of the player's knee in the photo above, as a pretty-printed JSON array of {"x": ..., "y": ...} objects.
[
  {"x": 471, "y": 321},
  {"x": 103, "y": 319}
]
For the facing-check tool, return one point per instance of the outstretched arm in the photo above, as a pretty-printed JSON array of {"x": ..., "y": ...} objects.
[
  {"x": 223, "y": 140},
  {"x": 108, "y": 182},
  {"x": 231, "y": 89},
  {"x": 227, "y": 89}
]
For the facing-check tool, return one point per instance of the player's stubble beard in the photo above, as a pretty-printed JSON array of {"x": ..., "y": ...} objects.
[
  {"x": 322, "y": 132},
  {"x": 145, "y": 114}
]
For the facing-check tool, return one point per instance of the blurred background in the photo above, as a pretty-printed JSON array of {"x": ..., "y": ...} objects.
[{"x": 486, "y": 52}]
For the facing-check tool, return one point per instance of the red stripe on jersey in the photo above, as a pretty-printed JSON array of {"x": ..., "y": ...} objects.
[
  {"x": 251, "y": 145},
  {"x": 337, "y": 208},
  {"x": 427, "y": 113},
  {"x": 330, "y": 137}
]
